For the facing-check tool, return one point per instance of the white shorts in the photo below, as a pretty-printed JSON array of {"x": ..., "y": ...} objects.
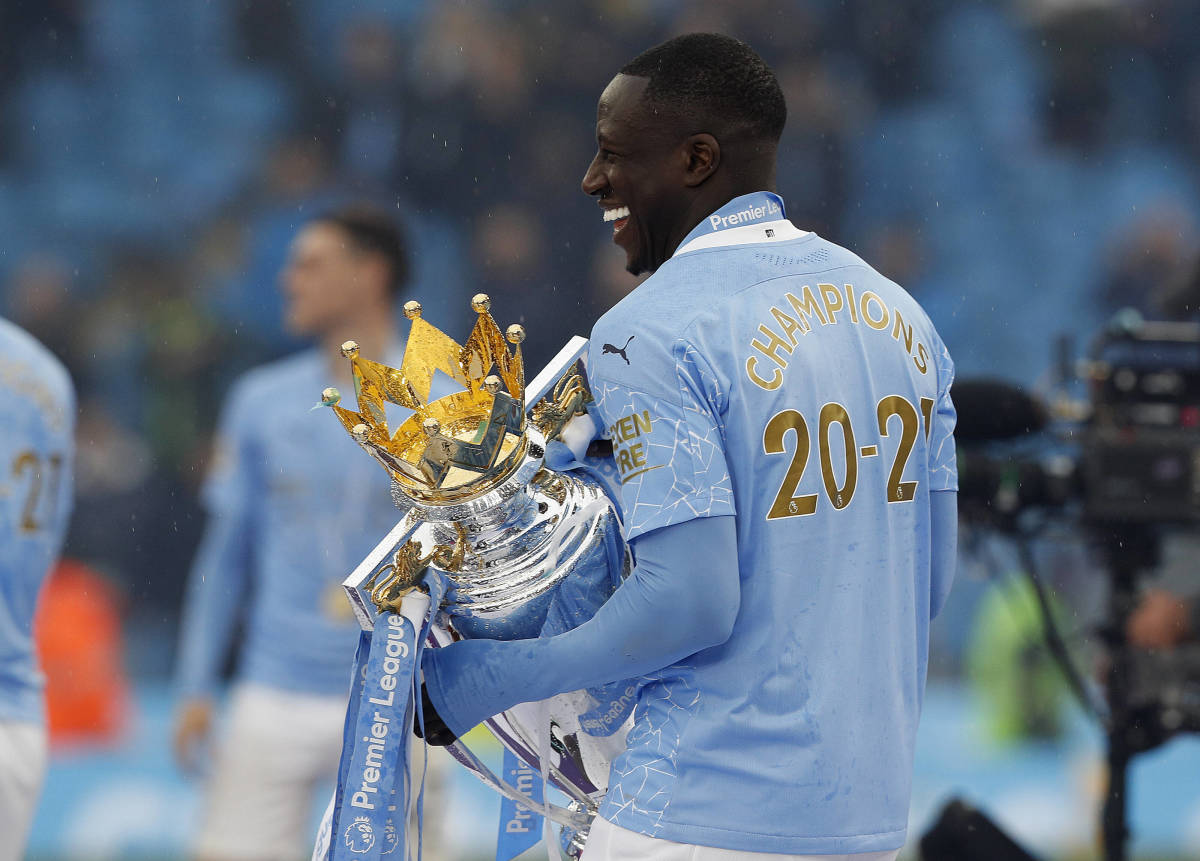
[
  {"x": 608, "y": 842},
  {"x": 22, "y": 768},
  {"x": 277, "y": 748}
]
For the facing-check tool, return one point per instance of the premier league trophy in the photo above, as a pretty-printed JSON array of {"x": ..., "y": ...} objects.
[{"x": 491, "y": 543}]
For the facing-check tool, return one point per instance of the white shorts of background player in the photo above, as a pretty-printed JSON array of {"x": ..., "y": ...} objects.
[{"x": 22, "y": 769}]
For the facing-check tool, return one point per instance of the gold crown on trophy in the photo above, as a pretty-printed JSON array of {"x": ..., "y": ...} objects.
[{"x": 461, "y": 444}]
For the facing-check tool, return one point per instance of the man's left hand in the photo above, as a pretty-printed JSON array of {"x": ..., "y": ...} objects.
[{"x": 436, "y": 731}]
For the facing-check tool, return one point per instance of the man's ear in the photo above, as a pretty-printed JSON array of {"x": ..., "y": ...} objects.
[
  {"x": 375, "y": 268},
  {"x": 703, "y": 155}
]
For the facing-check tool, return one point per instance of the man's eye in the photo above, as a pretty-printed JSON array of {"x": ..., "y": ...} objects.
[{"x": 608, "y": 155}]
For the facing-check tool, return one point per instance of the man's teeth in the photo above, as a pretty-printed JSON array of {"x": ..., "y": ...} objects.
[{"x": 616, "y": 214}]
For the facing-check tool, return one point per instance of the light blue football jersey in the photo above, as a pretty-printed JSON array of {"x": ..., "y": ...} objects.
[
  {"x": 37, "y": 450},
  {"x": 767, "y": 373},
  {"x": 294, "y": 505}
]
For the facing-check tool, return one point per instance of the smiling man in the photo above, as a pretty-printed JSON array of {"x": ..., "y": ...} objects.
[{"x": 781, "y": 419}]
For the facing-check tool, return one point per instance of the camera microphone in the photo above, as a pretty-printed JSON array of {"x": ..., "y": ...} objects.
[{"x": 993, "y": 410}]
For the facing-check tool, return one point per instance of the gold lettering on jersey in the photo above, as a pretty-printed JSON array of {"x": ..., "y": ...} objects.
[
  {"x": 831, "y": 299},
  {"x": 22, "y": 379},
  {"x": 902, "y": 329},
  {"x": 879, "y": 321},
  {"x": 921, "y": 360},
  {"x": 775, "y": 339},
  {"x": 774, "y": 343},
  {"x": 850, "y": 303},
  {"x": 806, "y": 308},
  {"x": 629, "y": 451},
  {"x": 787, "y": 324},
  {"x": 752, "y": 372}
]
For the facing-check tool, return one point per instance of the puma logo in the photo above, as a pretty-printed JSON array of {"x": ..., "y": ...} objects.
[{"x": 618, "y": 351}]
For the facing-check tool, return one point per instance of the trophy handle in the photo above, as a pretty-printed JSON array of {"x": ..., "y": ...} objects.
[
  {"x": 358, "y": 585},
  {"x": 541, "y": 385}
]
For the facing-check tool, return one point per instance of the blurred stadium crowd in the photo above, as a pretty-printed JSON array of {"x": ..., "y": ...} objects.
[{"x": 1024, "y": 167}]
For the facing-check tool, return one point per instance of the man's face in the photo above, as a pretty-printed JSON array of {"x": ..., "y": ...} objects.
[
  {"x": 637, "y": 175},
  {"x": 324, "y": 280}
]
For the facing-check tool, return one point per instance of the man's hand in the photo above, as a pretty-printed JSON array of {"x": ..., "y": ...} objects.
[
  {"x": 1159, "y": 622},
  {"x": 436, "y": 731},
  {"x": 193, "y": 725}
]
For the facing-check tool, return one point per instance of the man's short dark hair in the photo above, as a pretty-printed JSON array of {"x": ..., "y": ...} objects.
[
  {"x": 371, "y": 231},
  {"x": 716, "y": 80}
]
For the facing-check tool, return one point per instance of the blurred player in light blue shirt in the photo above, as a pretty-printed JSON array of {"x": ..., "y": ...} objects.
[
  {"x": 781, "y": 420},
  {"x": 37, "y": 448},
  {"x": 293, "y": 506}
]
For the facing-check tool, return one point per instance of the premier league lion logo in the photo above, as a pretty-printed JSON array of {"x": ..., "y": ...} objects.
[
  {"x": 359, "y": 836},
  {"x": 391, "y": 839}
]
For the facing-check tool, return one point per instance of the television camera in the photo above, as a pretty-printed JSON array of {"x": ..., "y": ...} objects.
[{"x": 1123, "y": 465}]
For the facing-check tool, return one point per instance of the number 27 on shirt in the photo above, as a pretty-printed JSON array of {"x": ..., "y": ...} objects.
[{"x": 788, "y": 504}]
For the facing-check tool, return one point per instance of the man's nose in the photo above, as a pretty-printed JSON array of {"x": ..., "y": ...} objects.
[{"x": 593, "y": 179}]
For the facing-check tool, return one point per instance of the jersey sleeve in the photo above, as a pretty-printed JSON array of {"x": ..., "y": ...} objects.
[
  {"x": 665, "y": 427},
  {"x": 66, "y": 484},
  {"x": 943, "y": 533},
  {"x": 943, "y": 465},
  {"x": 230, "y": 480},
  {"x": 220, "y": 570}
]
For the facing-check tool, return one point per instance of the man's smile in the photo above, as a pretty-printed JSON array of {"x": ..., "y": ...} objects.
[{"x": 619, "y": 216}]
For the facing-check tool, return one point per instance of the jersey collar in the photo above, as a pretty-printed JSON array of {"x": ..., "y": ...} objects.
[{"x": 751, "y": 218}]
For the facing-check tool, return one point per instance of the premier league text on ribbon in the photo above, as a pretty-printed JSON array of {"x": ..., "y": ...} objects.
[
  {"x": 395, "y": 652},
  {"x": 520, "y": 826},
  {"x": 523, "y": 819}
]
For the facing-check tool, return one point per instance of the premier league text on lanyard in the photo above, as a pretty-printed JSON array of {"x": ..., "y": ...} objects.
[{"x": 373, "y": 793}]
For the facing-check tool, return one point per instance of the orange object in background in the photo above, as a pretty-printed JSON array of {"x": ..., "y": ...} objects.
[{"x": 77, "y": 630}]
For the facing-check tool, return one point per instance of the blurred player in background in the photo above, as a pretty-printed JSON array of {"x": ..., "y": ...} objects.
[
  {"x": 293, "y": 507},
  {"x": 37, "y": 425}
]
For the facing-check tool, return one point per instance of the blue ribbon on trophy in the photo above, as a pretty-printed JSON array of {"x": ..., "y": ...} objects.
[
  {"x": 371, "y": 806},
  {"x": 520, "y": 825}
]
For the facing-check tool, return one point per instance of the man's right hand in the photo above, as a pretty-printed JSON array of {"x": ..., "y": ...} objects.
[
  {"x": 193, "y": 725},
  {"x": 1159, "y": 622}
]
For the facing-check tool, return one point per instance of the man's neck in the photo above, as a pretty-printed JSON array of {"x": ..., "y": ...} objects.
[
  {"x": 374, "y": 332},
  {"x": 705, "y": 205}
]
